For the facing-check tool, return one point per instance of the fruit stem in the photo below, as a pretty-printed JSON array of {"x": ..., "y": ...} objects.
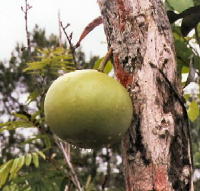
[{"x": 103, "y": 63}]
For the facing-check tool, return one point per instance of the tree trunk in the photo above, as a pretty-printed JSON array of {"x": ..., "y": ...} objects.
[{"x": 156, "y": 149}]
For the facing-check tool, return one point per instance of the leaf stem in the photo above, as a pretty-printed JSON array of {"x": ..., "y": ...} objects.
[{"x": 105, "y": 60}]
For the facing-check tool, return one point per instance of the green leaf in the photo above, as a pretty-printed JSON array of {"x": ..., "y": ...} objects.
[
  {"x": 21, "y": 116},
  {"x": 108, "y": 67},
  {"x": 11, "y": 125},
  {"x": 33, "y": 96},
  {"x": 17, "y": 165},
  {"x": 190, "y": 20},
  {"x": 47, "y": 141},
  {"x": 42, "y": 155},
  {"x": 35, "y": 66},
  {"x": 4, "y": 172},
  {"x": 197, "y": 158},
  {"x": 35, "y": 160},
  {"x": 193, "y": 111},
  {"x": 187, "y": 96},
  {"x": 181, "y": 5},
  {"x": 183, "y": 52},
  {"x": 185, "y": 69},
  {"x": 21, "y": 162},
  {"x": 28, "y": 159}
]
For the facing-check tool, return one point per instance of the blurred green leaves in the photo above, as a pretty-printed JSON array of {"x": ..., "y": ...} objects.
[
  {"x": 193, "y": 110},
  {"x": 51, "y": 59},
  {"x": 181, "y": 5},
  {"x": 10, "y": 169}
]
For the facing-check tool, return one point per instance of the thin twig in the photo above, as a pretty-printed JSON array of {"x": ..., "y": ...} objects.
[
  {"x": 105, "y": 60},
  {"x": 69, "y": 39},
  {"x": 65, "y": 150},
  {"x": 25, "y": 11},
  {"x": 59, "y": 28}
]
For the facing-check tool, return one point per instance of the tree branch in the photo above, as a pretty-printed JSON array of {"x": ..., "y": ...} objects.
[
  {"x": 25, "y": 10},
  {"x": 65, "y": 148},
  {"x": 69, "y": 39}
]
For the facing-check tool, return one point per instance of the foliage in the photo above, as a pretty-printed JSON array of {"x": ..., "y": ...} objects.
[
  {"x": 188, "y": 60},
  {"x": 180, "y": 5},
  {"x": 11, "y": 168},
  {"x": 32, "y": 161},
  {"x": 48, "y": 59}
]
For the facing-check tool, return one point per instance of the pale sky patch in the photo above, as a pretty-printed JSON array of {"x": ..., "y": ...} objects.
[{"x": 45, "y": 13}]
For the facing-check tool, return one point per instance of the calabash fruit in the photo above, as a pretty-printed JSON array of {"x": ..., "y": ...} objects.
[{"x": 88, "y": 109}]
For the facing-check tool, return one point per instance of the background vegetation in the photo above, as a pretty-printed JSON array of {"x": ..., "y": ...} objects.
[{"x": 30, "y": 159}]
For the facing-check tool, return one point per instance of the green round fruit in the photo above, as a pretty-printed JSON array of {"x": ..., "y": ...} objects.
[{"x": 88, "y": 109}]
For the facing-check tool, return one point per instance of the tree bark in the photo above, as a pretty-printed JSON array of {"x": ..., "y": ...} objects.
[{"x": 156, "y": 149}]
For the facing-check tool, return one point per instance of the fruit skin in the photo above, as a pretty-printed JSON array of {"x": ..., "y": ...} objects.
[{"x": 88, "y": 109}]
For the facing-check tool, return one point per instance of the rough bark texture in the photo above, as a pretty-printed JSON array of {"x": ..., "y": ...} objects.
[{"x": 156, "y": 149}]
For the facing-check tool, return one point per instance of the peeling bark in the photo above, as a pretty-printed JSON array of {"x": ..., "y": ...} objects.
[{"x": 156, "y": 149}]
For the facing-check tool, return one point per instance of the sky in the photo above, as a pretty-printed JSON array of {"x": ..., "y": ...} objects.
[{"x": 78, "y": 13}]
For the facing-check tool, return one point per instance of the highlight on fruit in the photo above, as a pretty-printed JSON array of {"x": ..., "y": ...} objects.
[{"x": 88, "y": 109}]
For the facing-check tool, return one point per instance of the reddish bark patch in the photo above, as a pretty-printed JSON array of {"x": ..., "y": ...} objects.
[
  {"x": 122, "y": 14},
  {"x": 140, "y": 180},
  {"x": 160, "y": 178},
  {"x": 125, "y": 78}
]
